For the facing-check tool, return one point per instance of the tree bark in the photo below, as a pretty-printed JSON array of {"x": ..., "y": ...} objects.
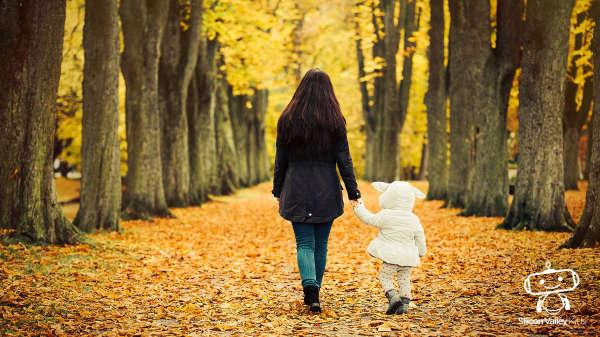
[
  {"x": 143, "y": 22},
  {"x": 539, "y": 201},
  {"x": 587, "y": 233},
  {"x": 367, "y": 108},
  {"x": 493, "y": 72},
  {"x": 461, "y": 105},
  {"x": 389, "y": 121},
  {"x": 177, "y": 63},
  {"x": 227, "y": 179},
  {"x": 31, "y": 36},
  {"x": 100, "y": 206},
  {"x": 201, "y": 117},
  {"x": 409, "y": 22},
  {"x": 260, "y": 103},
  {"x": 574, "y": 117},
  {"x": 435, "y": 101},
  {"x": 240, "y": 121}
]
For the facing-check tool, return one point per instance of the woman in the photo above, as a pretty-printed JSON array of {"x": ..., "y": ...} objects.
[{"x": 311, "y": 141}]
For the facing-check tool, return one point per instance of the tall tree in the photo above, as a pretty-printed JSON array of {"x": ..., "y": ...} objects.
[
  {"x": 143, "y": 22},
  {"x": 179, "y": 55},
  {"x": 539, "y": 200},
  {"x": 100, "y": 153},
  {"x": 259, "y": 166},
  {"x": 461, "y": 104},
  {"x": 409, "y": 22},
  {"x": 587, "y": 233},
  {"x": 576, "y": 111},
  {"x": 241, "y": 113},
  {"x": 31, "y": 36},
  {"x": 492, "y": 72},
  {"x": 435, "y": 100},
  {"x": 201, "y": 119}
]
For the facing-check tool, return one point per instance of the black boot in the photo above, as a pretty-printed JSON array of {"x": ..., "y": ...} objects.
[
  {"x": 394, "y": 301},
  {"x": 311, "y": 298},
  {"x": 403, "y": 309}
]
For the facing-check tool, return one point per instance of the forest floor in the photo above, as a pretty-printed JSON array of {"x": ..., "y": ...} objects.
[{"x": 229, "y": 268}]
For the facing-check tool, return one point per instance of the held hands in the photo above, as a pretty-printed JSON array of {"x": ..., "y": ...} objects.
[{"x": 355, "y": 203}]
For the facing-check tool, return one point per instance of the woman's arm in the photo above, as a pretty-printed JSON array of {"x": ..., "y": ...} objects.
[
  {"x": 344, "y": 163},
  {"x": 281, "y": 165}
]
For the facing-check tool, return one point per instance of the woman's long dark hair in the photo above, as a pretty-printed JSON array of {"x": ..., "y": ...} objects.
[{"x": 313, "y": 119}]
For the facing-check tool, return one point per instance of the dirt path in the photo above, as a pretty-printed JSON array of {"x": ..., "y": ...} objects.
[{"x": 228, "y": 268}]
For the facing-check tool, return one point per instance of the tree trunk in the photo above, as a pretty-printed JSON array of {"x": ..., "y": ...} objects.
[
  {"x": 388, "y": 127},
  {"x": 201, "y": 117},
  {"x": 261, "y": 169},
  {"x": 539, "y": 201},
  {"x": 461, "y": 105},
  {"x": 240, "y": 121},
  {"x": 493, "y": 73},
  {"x": 587, "y": 233},
  {"x": 409, "y": 21},
  {"x": 143, "y": 26},
  {"x": 367, "y": 109},
  {"x": 227, "y": 180},
  {"x": 100, "y": 152},
  {"x": 31, "y": 35},
  {"x": 177, "y": 63},
  {"x": 574, "y": 117},
  {"x": 435, "y": 101}
]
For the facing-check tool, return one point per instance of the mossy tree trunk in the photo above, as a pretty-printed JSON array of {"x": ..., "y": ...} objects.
[
  {"x": 143, "y": 22},
  {"x": 100, "y": 153},
  {"x": 31, "y": 36},
  {"x": 539, "y": 200},
  {"x": 435, "y": 101},
  {"x": 587, "y": 233},
  {"x": 178, "y": 60},
  {"x": 491, "y": 74},
  {"x": 201, "y": 119}
]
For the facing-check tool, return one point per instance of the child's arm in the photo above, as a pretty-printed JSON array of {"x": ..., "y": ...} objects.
[
  {"x": 366, "y": 216},
  {"x": 420, "y": 241}
]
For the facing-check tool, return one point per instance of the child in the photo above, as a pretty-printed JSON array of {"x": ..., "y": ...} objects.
[{"x": 401, "y": 240}]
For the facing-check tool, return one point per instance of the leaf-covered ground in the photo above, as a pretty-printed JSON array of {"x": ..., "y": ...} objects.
[{"x": 229, "y": 268}]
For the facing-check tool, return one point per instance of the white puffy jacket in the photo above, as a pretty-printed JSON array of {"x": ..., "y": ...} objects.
[{"x": 401, "y": 239}]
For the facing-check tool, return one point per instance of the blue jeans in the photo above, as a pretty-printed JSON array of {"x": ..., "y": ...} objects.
[{"x": 311, "y": 249}]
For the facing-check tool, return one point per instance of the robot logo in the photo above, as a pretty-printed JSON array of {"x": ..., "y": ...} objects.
[{"x": 551, "y": 282}]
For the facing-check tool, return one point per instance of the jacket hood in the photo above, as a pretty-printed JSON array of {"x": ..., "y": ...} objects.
[{"x": 399, "y": 195}]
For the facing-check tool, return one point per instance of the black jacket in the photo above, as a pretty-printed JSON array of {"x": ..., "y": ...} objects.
[{"x": 309, "y": 187}]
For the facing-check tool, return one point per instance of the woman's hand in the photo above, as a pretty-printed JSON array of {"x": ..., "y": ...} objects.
[{"x": 355, "y": 202}]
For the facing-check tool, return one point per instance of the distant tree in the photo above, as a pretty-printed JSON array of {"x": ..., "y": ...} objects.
[
  {"x": 179, "y": 55},
  {"x": 587, "y": 233},
  {"x": 576, "y": 109},
  {"x": 100, "y": 154},
  {"x": 201, "y": 118},
  {"x": 491, "y": 73},
  {"x": 539, "y": 199},
  {"x": 435, "y": 100},
  {"x": 31, "y": 39},
  {"x": 143, "y": 22},
  {"x": 227, "y": 177}
]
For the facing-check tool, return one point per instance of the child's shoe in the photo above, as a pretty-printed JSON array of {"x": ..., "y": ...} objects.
[
  {"x": 394, "y": 300},
  {"x": 403, "y": 308}
]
